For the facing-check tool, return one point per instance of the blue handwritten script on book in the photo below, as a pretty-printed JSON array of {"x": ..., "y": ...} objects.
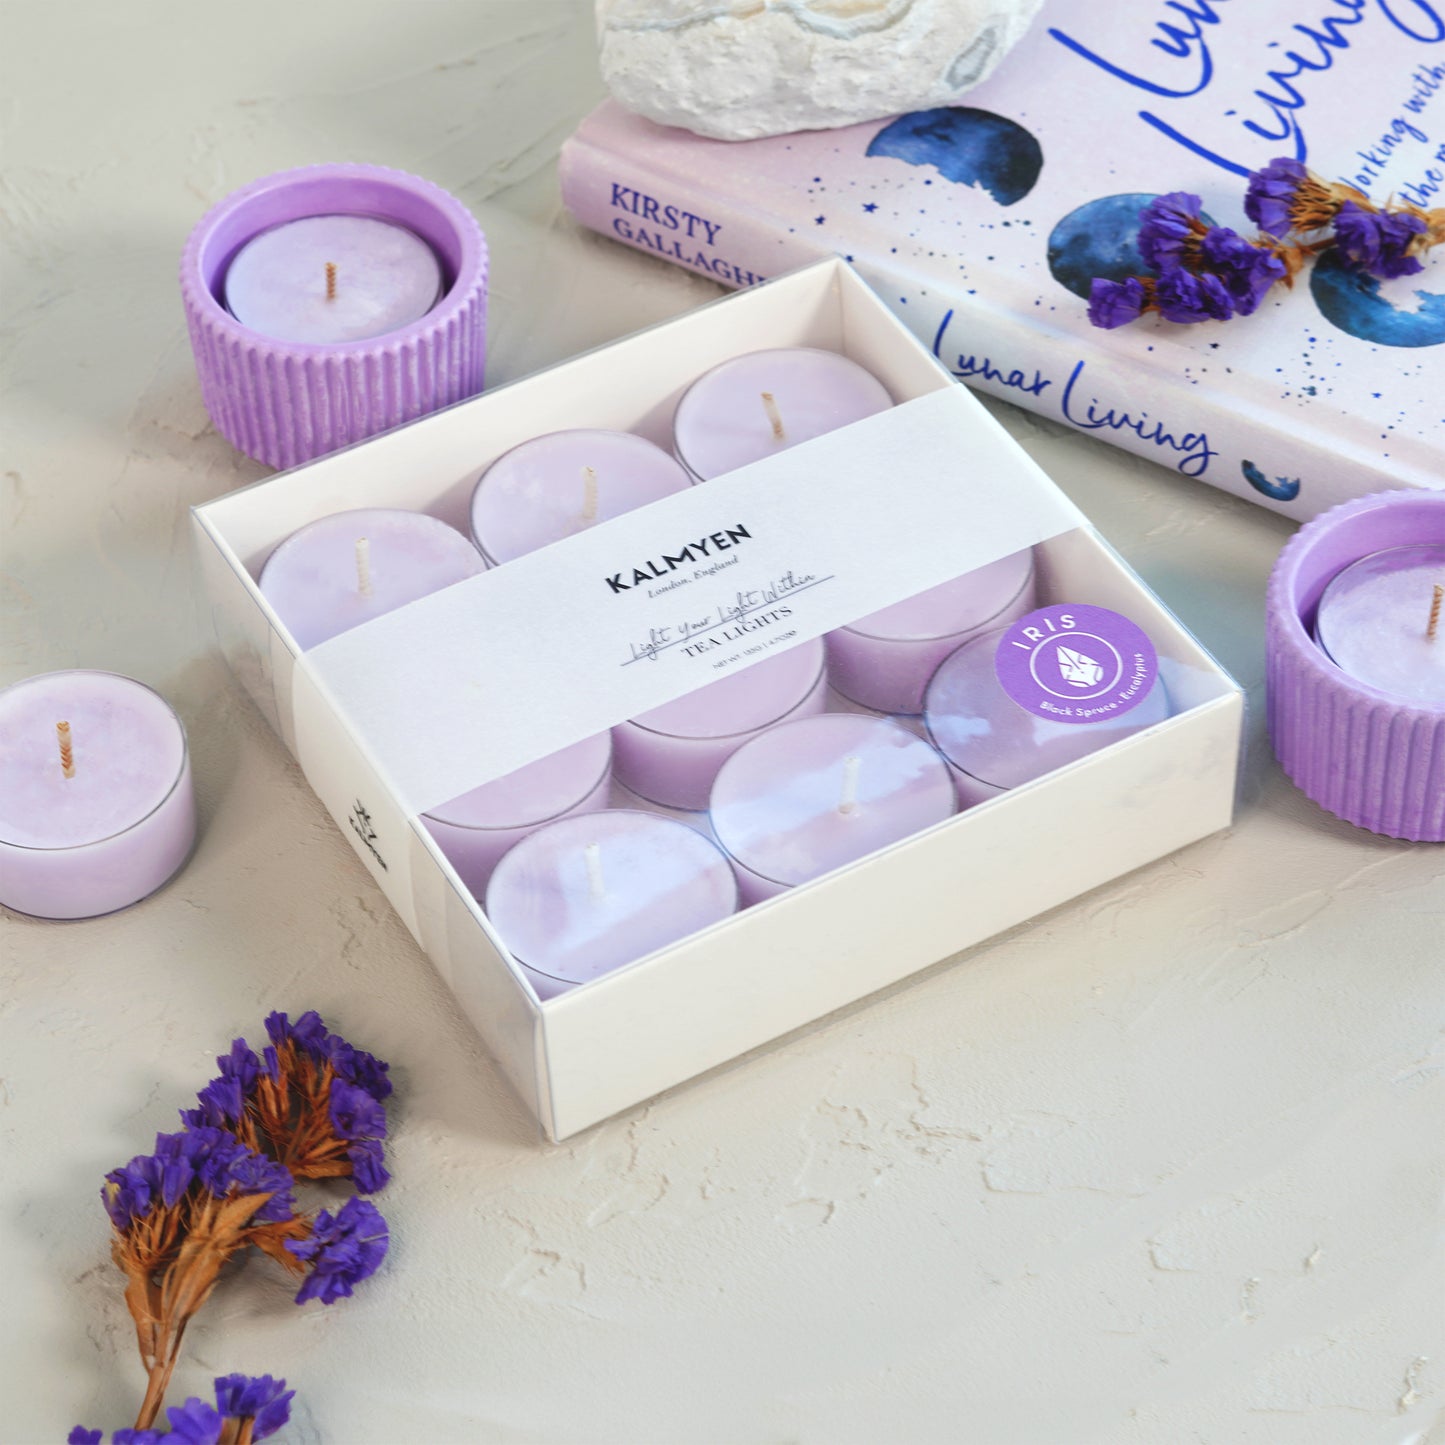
[{"x": 1275, "y": 111}]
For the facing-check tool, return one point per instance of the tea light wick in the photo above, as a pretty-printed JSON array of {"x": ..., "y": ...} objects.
[
  {"x": 848, "y": 798},
  {"x": 596, "y": 886},
  {"x": 774, "y": 416},
  {"x": 331, "y": 280},
  {"x": 1433, "y": 625},
  {"x": 589, "y": 496},
  {"x": 67, "y": 757},
  {"x": 363, "y": 566}
]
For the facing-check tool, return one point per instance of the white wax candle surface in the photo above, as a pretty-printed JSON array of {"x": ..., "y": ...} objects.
[
  {"x": 1373, "y": 620},
  {"x": 590, "y": 893},
  {"x": 385, "y": 278}
]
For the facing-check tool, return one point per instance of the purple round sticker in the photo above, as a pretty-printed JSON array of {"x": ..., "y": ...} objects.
[{"x": 1076, "y": 664}]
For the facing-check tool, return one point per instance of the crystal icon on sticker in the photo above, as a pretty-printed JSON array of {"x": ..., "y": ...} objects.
[
  {"x": 1074, "y": 663},
  {"x": 1077, "y": 669}
]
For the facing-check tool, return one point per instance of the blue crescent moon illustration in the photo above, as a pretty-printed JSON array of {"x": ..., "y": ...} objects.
[
  {"x": 1280, "y": 489},
  {"x": 1099, "y": 238},
  {"x": 967, "y": 146},
  {"x": 1353, "y": 301}
]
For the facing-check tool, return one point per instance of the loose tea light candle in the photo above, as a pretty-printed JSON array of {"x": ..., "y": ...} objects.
[
  {"x": 764, "y": 402},
  {"x": 810, "y": 795},
  {"x": 555, "y": 485},
  {"x": 1355, "y": 647},
  {"x": 672, "y": 754},
  {"x": 1380, "y": 620},
  {"x": 1051, "y": 688},
  {"x": 476, "y": 829},
  {"x": 588, "y": 894},
  {"x": 343, "y": 570},
  {"x": 97, "y": 809},
  {"x": 325, "y": 279},
  {"x": 885, "y": 660}
]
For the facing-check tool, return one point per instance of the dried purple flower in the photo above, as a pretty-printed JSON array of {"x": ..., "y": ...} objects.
[
  {"x": 81, "y": 1436},
  {"x": 305, "y": 1101},
  {"x": 343, "y": 1250},
  {"x": 1169, "y": 230},
  {"x": 356, "y": 1066},
  {"x": 1247, "y": 270},
  {"x": 367, "y": 1169},
  {"x": 1271, "y": 195},
  {"x": 308, "y": 1032},
  {"x": 194, "y": 1423},
  {"x": 1116, "y": 303},
  {"x": 179, "y": 1214},
  {"x": 212, "y": 1158},
  {"x": 1285, "y": 196},
  {"x": 354, "y": 1113},
  {"x": 260, "y": 1399},
  {"x": 1379, "y": 242},
  {"x": 1184, "y": 297}
]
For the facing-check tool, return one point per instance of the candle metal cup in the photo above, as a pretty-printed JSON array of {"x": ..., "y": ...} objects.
[
  {"x": 884, "y": 661},
  {"x": 815, "y": 794},
  {"x": 672, "y": 754},
  {"x": 64, "y": 866},
  {"x": 478, "y": 829},
  {"x": 1375, "y": 759},
  {"x": 284, "y": 403}
]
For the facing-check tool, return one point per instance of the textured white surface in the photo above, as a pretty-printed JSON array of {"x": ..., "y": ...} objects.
[
  {"x": 1163, "y": 1167},
  {"x": 737, "y": 69}
]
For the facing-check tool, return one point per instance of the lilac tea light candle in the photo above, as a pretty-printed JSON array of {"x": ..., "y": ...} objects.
[
  {"x": 329, "y": 303},
  {"x": 1355, "y": 650},
  {"x": 885, "y": 660},
  {"x": 808, "y": 796},
  {"x": 325, "y": 279},
  {"x": 764, "y": 402},
  {"x": 589, "y": 894},
  {"x": 477, "y": 829},
  {"x": 343, "y": 570},
  {"x": 1380, "y": 620},
  {"x": 1054, "y": 686},
  {"x": 555, "y": 485},
  {"x": 97, "y": 810},
  {"x": 671, "y": 755}
]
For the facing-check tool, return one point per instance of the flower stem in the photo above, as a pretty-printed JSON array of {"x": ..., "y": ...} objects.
[{"x": 160, "y": 1379}]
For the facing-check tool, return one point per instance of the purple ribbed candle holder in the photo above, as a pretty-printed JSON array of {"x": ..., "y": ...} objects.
[
  {"x": 1372, "y": 759},
  {"x": 286, "y": 402}
]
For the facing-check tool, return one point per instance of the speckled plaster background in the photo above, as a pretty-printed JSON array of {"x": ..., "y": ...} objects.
[{"x": 1163, "y": 1167}]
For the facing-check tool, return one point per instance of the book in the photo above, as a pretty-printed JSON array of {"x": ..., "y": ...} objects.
[{"x": 981, "y": 225}]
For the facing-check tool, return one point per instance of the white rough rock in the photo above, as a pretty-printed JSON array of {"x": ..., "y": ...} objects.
[{"x": 738, "y": 69}]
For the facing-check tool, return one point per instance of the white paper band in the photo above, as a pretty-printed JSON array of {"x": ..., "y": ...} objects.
[{"x": 475, "y": 681}]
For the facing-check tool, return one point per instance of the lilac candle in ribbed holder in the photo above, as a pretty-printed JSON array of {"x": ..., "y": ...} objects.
[
  {"x": 285, "y": 401},
  {"x": 1370, "y": 756}
]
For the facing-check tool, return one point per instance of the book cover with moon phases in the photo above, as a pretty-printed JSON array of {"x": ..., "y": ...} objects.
[{"x": 982, "y": 225}]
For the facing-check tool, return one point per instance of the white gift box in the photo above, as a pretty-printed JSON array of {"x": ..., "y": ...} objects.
[{"x": 427, "y": 702}]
